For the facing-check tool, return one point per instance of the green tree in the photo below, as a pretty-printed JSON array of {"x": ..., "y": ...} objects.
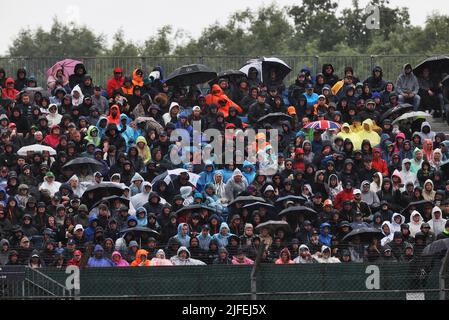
[
  {"x": 121, "y": 47},
  {"x": 160, "y": 44},
  {"x": 61, "y": 41}
]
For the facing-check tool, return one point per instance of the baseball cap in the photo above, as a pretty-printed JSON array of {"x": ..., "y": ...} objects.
[
  {"x": 309, "y": 86},
  {"x": 357, "y": 191},
  {"x": 321, "y": 96},
  {"x": 78, "y": 227},
  {"x": 328, "y": 202},
  {"x": 196, "y": 108},
  {"x": 304, "y": 247}
]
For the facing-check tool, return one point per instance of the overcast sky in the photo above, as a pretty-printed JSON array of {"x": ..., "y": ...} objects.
[{"x": 140, "y": 19}]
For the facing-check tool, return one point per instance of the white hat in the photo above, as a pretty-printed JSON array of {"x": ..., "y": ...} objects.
[
  {"x": 321, "y": 96},
  {"x": 304, "y": 247},
  {"x": 78, "y": 227},
  {"x": 357, "y": 191},
  {"x": 195, "y": 108}
]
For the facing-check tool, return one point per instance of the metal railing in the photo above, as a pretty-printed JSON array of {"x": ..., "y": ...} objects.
[{"x": 100, "y": 68}]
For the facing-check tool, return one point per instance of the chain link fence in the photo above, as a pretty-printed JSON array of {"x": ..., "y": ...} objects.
[
  {"x": 100, "y": 68},
  {"x": 341, "y": 281}
]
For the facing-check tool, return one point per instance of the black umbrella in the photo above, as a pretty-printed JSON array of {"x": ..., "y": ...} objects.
[
  {"x": 231, "y": 73},
  {"x": 99, "y": 191},
  {"x": 436, "y": 65},
  {"x": 247, "y": 199},
  {"x": 193, "y": 207},
  {"x": 397, "y": 111},
  {"x": 365, "y": 234},
  {"x": 445, "y": 81},
  {"x": 418, "y": 205},
  {"x": 83, "y": 161},
  {"x": 138, "y": 231},
  {"x": 258, "y": 204},
  {"x": 190, "y": 75},
  {"x": 273, "y": 226},
  {"x": 111, "y": 199},
  {"x": 308, "y": 213},
  {"x": 299, "y": 199},
  {"x": 264, "y": 64},
  {"x": 275, "y": 117},
  {"x": 436, "y": 247}
]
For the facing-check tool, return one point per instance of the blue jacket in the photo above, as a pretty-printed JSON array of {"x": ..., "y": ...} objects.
[
  {"x": 252, "y": 174},
  {"x": 98, "y": 263},
  {"x": 144, "y": 221},
  {"x": 184, "y": 240},
  {"x": 204, "y": 241},
  {"x": 206, "y": 176},
  {"x": 222, "y": 239},
  {"x": 325, "y": 239},
  {"x": 90, "y": 231},
  {"x": 312, "y": 99},
  {"x": 128, "y": 133}
]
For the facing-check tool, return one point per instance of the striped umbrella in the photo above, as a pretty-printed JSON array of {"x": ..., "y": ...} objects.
[{"x": 323, "y": 125}]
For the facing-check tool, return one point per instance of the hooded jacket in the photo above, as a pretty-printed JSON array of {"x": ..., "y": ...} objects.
[
  {"x": 138, "y": 261},
  {"x": 137, "y": 80},
  {"x": 140, "y": 199},
  {"x": 437, "y": 226},
  {"x": 220, "y": 237},
  {"x": 145, "y": 152},
  {"x": 397, "y": 226},
  {"x": 122, "y": 262},
  {"x": 408, "y": 175},
  {"x": 415, "y": 227},
  {"x": 217, "y": 94},
  {"x": 9, "y": 93},
  {"x": 102, "y": 262},
  {"x": 52, "y": 139},
  {"x": 178, "y": 261},
  {"x": 369, "y": 134},
  {"x": 184, "y": 240},
  {"x": 429, "y": 196},
  {"x": 407, "y": 83},
  {"x": 232, "y": 188},
  {"x": 79, "y": 101},
  {"x": 113, "y": 83},
  {"x": 370, "y": 197},
  {"x": 115, "y": 119},
  {"x": 389, "y": 237},
  {"x": 76, "y": 79},
  {"x": 206, "y": 177},
  {"x": 416, "y": 165}
]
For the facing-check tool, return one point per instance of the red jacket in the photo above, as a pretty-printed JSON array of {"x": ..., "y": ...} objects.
[
  {"x": 10, "y": 93},
  {"x": 380, "y": 164},
  {"x": 342, "y": 196},
  {"x": 114, "y": 84}
]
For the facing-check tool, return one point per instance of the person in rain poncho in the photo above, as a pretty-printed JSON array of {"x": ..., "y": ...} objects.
[
  {"x": 346, "y": 133},
  {"x": 77, "y": 96},
  {"x": 53, "y": 117},
  {"x": 368, "y": 133},
  {"x": 141, "y": 259},
  {"x": 143, "y": 149},
  {"x": 92, "y": 136},
  {"x": 426, "y": 132},
  {"x": 325, "y": 256},
  {"x": 407, "y": 174},
  {"x": 235, "y": 185},
  {"x": 387, "y": 231},
  {"x": 428, "y": 193},
  {"x": 118, "y": 260},
  {"x": 140, "y": 199},
  {"x": 50, "y": 184},
  {"x": 396, "y": 222},
  {"x": 160, "y": 260},
  {"x": 98, "y": 260},
  {"x": 128, "y": 133},
  {"x": 77, "y": 187},
  {"x": 182, "y": 258},
  {"x": 114, "y": 115},
  {"x": 136, "y": 186},
  {"x": 417, "y": 160},
  {"x": 376, "y": 185},
  {"x": 183, "y": 235},
  {"x": 223, "y": 236},
  {"x": 415, "y": 223},
  {"x": 141, "y": 216},
  {"x": 218, "y": 97},
  {"x": 206, "y": 176},
  {"x": 437, "y": 223}
]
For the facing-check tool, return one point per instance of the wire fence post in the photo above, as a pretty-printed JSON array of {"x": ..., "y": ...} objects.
[
  {"x": 442, "y": 276},
  {"x": 373, "y": 61},
  {"x": 316, "y": 61},
  {"x": 255, "y": 270}
]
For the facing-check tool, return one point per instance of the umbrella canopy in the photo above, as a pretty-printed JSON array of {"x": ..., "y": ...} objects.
[
  {"x": 141, "y": 230},
  {"x": 308, "y": 213},
  {"x": 292, "y": 198},
  {"x": 258, "y": 204},
  {"x": 111, "y": 199},
  {"x": 436, "y": 65},
  {"x": 445, "y": 81},
  {"x": 264, "y": 64},
  {"x": 190, "y": 75},
  {"x": 323, "y": 125},
  {"x": 412, "y": 116},
  {"x": 418, "y": 205},
  {"x": 397, "y": 111},
  {"x": 32, "y": 91},
  {"x": 36, "y": 148},
  {"x": 273, "y": 226},
  {"x": 230, "y": 73},
  {"x": 169, "y": 175},
  {"x": 100, "y": 191},
  {"x": 68, "y": 65},
  {"x": 365, "y": 234},
  {"x": 274, "y": 117},
  {"x": 246, "y": 199},
  {"x": 83, "y": 161},
  {"x": 436, "y": 247},
  {"x": 150, "y": 124},
  {"x": 193, "y": 207}
]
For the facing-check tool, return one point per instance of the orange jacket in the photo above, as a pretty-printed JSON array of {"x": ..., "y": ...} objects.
[
  {"x": 110, "y": 118},
  {"x": 216, "y": 95},
  {"x": 137, "y": 80},
  {"x": 10, "y": 93},
  {"x": 136, "y": 263}
]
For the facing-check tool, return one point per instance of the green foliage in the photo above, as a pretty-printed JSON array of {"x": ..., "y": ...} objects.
[{"x": 315, "y": 27}]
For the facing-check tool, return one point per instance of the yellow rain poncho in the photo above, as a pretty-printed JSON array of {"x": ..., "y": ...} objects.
[
  {"x": 346, "y": 133},
  {"x": 368, "y": 133}
]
